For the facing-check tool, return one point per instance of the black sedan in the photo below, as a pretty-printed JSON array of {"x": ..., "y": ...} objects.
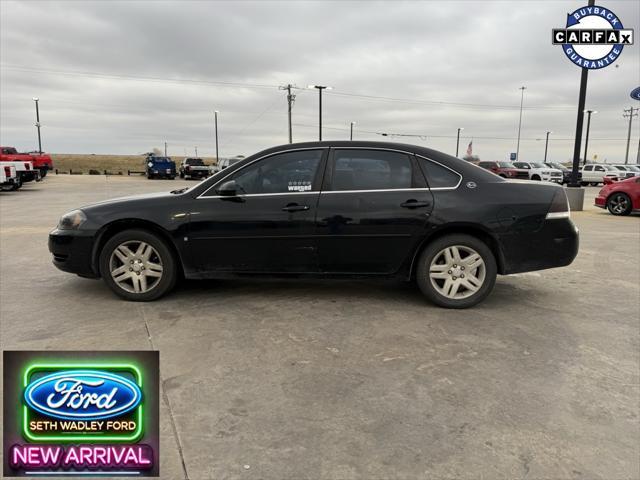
[{"x": 330, "y": 209}]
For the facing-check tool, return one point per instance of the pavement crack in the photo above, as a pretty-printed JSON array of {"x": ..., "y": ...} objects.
[{"x": 165, "y": 399}]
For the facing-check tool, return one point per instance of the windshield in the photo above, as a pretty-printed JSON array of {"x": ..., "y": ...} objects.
[
  {"x": 619, "y": 167},
  {"x": 610, "y": 168},
  {"x": 506, "y": 164},
  {"x": 538, "y": 165},
  {"x": 632, "y": 168},
  {"x": 555, "y": 165}
]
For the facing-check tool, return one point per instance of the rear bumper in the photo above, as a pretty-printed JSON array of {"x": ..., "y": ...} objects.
[
  {"x": 554, "y": 245},
  {"x": 601, "y": 202},
  {"x": 72, "y": 251}
]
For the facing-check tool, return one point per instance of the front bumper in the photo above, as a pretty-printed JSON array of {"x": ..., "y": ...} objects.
[
  {"x": 555, "y": 244},
  {"x": 73, "y": 251}
]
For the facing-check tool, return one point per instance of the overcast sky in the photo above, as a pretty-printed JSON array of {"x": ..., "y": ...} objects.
[{"x": 123, "y": 77}]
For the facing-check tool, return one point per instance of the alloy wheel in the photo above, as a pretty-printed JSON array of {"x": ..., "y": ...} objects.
[
  {"x": 135, "y": 266},
  {"x": 457, "y": 272},
  {"x": 619, "y": 204}
]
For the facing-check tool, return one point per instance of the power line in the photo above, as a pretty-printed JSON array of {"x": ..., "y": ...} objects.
[{"x": 629, "y": 113}]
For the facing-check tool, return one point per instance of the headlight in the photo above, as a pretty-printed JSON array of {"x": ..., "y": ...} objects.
[{"x": 72, "y": 220}]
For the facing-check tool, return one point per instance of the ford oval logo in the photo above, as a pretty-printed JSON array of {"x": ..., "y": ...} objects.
[{"x": 82, "y": 395}]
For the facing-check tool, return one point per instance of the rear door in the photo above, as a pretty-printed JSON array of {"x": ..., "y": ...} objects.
[{"x": 373, "y": 208}]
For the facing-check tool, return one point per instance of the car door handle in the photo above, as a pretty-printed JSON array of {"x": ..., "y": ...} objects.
[
  {"x": 294, "y": 207},
  {"x": 414, "y": 204}
]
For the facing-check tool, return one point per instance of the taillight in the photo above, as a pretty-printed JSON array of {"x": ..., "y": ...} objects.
[
  {"x": 7, "y": 172},
  {"x": 188, "y": 168},
  {"x": 559, "y": 206},
  {"x": 27, "y": 167}
]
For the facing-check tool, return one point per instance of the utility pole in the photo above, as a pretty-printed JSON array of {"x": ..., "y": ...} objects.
[
  {"x": 196, "y": 152},
  {"x": 36, "y": 99},
  {"x": 215, "y": 114},
  {"x": 165, "y": 149},
  {"x": 586, "y": 141},
  {"x": 523, "y": 88},
  {"x": 458, "y": 140},
  {"x": 320, "y": 88},
  {"x": 546, "y": 147},
  {"x": 351, "y": 134},
  {"x": 290, "y": 101},
  {"x": 629, "y": 113}
]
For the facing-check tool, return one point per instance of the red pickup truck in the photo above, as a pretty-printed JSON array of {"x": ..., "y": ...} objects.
[{"x": 41, "y": 162}]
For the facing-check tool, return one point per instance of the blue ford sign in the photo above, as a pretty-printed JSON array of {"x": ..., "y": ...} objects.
[
  {"x": 82, "y": 395},
  {"x": 635, "y": 93}
]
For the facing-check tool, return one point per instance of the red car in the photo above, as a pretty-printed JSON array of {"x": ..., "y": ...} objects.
[{"x": 620, "y": 198}]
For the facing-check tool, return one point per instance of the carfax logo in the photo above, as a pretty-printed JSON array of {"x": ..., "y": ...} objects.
[
  {"x": 593, "y": 37},
  {"x": 94, "y": 415}
]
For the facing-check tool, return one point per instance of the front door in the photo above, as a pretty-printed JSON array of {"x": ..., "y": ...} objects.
[
  {"x": 268, "y": 226},
  {"x": 373, "y": 207}
]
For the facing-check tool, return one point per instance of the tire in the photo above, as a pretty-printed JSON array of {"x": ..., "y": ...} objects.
[
  {"x": 17, "y": 185},
  {"x": 154, "y": 276},
  {"x": 43, "y": 172},
  {"x": 584, "y": 184},
  {"x": 149, "y": 176},
  {"x": 619, "y": 204},
  {"x": 594, "y": 184},
  {"x": 430, "y": 263},
  {"x": 536, "y": 178}
]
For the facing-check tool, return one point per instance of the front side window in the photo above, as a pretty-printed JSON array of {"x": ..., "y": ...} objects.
[
  {"x": 281, "y": 173},
  {"x": 588, "y": 168},
  {"x": 439, "y": 176},
  {"x": 522, "y": 165},
  {"x": 370, "y": 170},
  {"x": 599, "y": 169},
  {"x": 505, "y": 164}
]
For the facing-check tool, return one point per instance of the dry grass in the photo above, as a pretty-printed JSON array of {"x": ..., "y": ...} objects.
[{"x": 112, "y": 163}]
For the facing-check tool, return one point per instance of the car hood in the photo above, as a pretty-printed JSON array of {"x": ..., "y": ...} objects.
[{"x": 141, "y": 198}]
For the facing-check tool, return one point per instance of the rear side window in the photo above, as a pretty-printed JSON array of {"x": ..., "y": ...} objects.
[
  {"x": 370, "y": 170},
  {"x": 439, "y": 176},
  {"x": 588, "y": 168}
]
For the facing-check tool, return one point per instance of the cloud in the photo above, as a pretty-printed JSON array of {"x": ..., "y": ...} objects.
[{"x": 123, "y": 77}]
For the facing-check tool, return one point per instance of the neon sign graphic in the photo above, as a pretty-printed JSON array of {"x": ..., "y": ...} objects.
[{"x": 42, "y": 398}]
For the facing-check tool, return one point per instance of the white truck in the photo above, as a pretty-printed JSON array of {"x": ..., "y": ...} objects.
[
  {"x": 24, "y": 172},
  {"x": 540, "y": 172},
  {"x": 595, "y": 173},
  {"x": 8, "y": 177}
]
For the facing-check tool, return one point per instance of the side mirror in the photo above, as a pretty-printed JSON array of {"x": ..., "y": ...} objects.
[{"x": 228, "y": 189}]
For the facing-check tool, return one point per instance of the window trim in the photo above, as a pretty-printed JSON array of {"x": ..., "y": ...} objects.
[{"x": 321, "y": 166}]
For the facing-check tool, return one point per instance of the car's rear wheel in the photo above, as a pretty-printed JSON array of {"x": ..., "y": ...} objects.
[
  {"x": 456, "y": 271},
  {"x": 619, "y": 204},
  {"x": 594, "y": 184},
  {"x": 137, "y": 265},
  {"x": 536, "y": 178}
]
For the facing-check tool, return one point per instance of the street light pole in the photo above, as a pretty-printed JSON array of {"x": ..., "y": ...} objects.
[
  {"x": 320, "y": 88},
  {"x": 458, "y": 140},
  {"x": 546, "y": 147},
  {"x": 215, "y": 114},
  {"x": 351, "y": 134},
  {"x": 523, "y": 88},
  {"x": 36, "y": 99},
  {"x": 586, "y": 141}
]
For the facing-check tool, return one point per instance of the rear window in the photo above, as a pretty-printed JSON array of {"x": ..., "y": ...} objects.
[
  {"x": 194, "y": 161},
  {"x": 439, "y": 176}
]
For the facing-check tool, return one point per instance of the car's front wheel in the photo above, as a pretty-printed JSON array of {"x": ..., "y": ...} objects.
[
  {"x": 619, "y": 204},
  {"x": 456, "y": 271},
  {"x": 137, "y": 265}
]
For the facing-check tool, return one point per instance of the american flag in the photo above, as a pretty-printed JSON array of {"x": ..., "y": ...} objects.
[{"x": 470, "y": 148}]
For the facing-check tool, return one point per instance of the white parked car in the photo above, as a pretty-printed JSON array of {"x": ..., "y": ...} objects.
[
  {"x": 628, "y": 170},
  {"x": 594, "y": 174},
  {"x": 541, "y": 172},
  {"x": 8, "y": 177}
]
